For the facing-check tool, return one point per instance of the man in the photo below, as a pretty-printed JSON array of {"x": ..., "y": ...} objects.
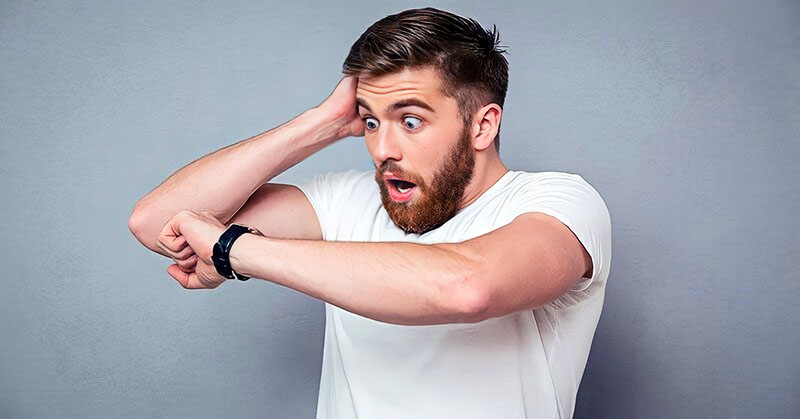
[{"x": 456, "y": 287}]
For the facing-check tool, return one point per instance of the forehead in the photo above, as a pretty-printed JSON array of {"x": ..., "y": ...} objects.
[{"x": 420, "y": 83}]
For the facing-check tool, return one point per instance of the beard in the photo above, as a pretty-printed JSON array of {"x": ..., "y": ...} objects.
[{"x": 435, "y": 203}]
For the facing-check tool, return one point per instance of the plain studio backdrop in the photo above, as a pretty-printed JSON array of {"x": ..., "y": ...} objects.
[{"x": 682, "y": 114}]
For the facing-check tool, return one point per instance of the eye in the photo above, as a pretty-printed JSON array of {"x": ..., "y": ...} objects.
[
  {"x": 370, "y": 122},
  {"x": 412, "y": 122}
]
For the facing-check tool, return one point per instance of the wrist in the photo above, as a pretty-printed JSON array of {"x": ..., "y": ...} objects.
[
  {"x": 328, "y": 124},
  {"x": 298, "y": 139},
  {"x": 242, "y": 253}
]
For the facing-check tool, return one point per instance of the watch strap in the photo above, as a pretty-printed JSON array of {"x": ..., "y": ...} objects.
[{"x": 222, "y": 249}]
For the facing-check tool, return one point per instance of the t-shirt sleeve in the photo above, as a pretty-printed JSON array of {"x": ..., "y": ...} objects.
[
  {"x": 325, "y": 192},
  {"x": 574, "y": 202}
]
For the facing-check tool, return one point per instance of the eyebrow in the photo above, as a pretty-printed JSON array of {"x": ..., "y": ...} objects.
[{"x": 402, "y": 103}]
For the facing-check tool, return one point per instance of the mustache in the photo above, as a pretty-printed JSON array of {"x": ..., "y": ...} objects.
[{"x": 391, "y": 166}]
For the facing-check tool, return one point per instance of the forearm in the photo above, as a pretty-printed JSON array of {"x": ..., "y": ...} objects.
[
  {"x": 221, "y": 182},
  {"x": 394, "y": 282}
]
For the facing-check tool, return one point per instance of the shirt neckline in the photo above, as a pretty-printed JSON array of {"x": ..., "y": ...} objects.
[
  {"x": 498, "y": 184},
  {"x": 491, "y": 191}
]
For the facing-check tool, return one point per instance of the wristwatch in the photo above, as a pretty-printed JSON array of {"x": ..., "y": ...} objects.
[{"x": 222, "y": 250}]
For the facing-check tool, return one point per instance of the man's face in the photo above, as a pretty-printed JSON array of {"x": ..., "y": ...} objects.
[{"x": 429, "y": 148}]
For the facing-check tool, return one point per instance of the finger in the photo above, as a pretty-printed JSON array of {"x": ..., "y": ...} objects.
[
  {"x": 180, "y": 276},
  {"x": 187, "y": 265},
  {"x": 170, "y": 238},
  {"x": 188, "y": 280},
  {"x": 183, "y": 254},
  {"x": 180, "y": 243}
]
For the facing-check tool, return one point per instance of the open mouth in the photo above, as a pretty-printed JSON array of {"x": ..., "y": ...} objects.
[{"x": 401, "y": 190}]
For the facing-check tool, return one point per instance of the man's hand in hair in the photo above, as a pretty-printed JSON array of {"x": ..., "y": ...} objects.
[{"x": 341, "y": 106}]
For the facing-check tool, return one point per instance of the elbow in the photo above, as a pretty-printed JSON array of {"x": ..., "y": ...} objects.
[
  {"x": 133, "y": 223},
  {"x": 463, "y": 293},
  {"x": 473, "y": 298},
  {"x": 136, "y": 220},
  {"x": 137, "y": 224}
]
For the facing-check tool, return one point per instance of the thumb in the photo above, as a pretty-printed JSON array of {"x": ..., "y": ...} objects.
[{"x": 179, "y": 275}]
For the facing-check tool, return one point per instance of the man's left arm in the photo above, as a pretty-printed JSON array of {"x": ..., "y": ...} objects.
[{"x": 522, "y": 265}]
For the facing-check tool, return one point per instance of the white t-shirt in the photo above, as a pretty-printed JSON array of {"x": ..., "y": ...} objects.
[{"x": 527, "y": 364}]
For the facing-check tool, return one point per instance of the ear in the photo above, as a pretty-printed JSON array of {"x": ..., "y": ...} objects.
[{"x": 488, "y": 123}]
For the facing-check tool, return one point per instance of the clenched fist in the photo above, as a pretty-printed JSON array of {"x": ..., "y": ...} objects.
[{"x": 189, "y": 238}]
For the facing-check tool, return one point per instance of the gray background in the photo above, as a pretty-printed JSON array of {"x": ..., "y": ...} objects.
[{"x": 683, "y": 115}]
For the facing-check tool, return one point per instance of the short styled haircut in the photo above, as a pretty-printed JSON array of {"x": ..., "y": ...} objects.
[{"x": 468, "y": 57}]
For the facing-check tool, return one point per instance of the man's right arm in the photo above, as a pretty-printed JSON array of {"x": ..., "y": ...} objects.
[{"x": 224, "y": 181}]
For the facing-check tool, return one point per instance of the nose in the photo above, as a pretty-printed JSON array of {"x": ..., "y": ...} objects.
[{"x": 385, "y": 145}]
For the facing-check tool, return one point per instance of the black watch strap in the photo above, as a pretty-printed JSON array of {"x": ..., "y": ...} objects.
[{"x": 222, "y": 250}]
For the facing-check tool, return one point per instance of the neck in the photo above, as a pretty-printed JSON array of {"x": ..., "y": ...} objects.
[{"x": 487, "y": 172}]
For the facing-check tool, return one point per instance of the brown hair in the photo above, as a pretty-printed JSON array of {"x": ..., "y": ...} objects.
[{"x": 468, "y": 57}]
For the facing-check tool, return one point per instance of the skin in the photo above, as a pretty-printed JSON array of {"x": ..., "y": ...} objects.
[
  {"x": 431, "y": 205},
  {"x": 450, "y": 163},
  {"x": 522, "y": 265}
]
